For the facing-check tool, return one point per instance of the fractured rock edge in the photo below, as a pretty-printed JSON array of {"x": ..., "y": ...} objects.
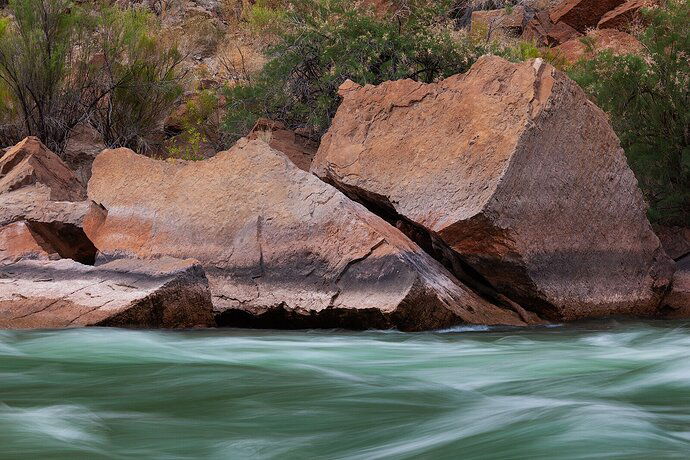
[{"x": 165, "y": 293}]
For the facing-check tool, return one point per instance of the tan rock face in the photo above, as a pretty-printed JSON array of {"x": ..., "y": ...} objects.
[
  {"x": 510, "y": 167},
  {"x": 582, "y": 14},
  {"x": 31, "y": 163},
  {"x": 280, "y": 247},
  {"x": 165, "y": 293},
  {"x": 606, "y": 39}
]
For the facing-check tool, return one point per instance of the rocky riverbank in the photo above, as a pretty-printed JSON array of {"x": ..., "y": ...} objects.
[{"x": 497, "y": 197}]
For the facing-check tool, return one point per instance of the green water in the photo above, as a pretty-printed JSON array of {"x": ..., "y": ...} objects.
[{"x": 607, "y": 390}]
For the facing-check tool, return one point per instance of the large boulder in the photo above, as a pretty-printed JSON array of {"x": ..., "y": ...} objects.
[
  {"x": 165, "y": 293},
  {"x": 582, "y": 14},
  {"x": 281, "y": 248},
  {"x": 512, "y": 170},
  {"x": 19, "y": 241},
  {"x": 42, "y": 207}
]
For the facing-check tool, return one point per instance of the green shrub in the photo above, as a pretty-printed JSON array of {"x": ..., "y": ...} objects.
[
  {"x": 140, "y": 75},
  {"x": 322, "y": 43},
  {"x": 647, "y": 98},
  {"x": 63, "y": 64}
]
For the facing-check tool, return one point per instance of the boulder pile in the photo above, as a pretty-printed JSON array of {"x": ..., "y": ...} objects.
[
  {"x": 281, "y": 248},
  {"x": 573, "y": 27},
  {"x": 499, "y": 197},
  {"x": 165, "y": 293}
]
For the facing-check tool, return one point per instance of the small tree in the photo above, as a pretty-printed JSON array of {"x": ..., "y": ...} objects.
[
  {"x": 62, "y": 64},
  {"x": 647, "y": 98},
  {"x": 140, "y": 75}
]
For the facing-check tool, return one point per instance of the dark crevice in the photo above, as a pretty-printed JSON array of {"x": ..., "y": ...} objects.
[
  {"x": 433, "y": 245},
  {"x": 284, "y": 318},
  {"x": 68, "y": 240}
]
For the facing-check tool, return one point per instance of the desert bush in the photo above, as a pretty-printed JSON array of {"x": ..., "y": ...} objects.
[
  {"x": 647, "y": 98},
  {"x": 325, "y": 42},
  {"x": 63, "y": 64},
  {"x": 140, "y": 75}
]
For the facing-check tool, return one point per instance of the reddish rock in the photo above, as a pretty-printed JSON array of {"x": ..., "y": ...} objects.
[
  {"x": 17, "y": 241},
  {"x": 280, "y": 247},
  {"x": 30, "y": 163},
  {"x": 625, "y": 15},
  {"x": 599, "y": 40},
  {"x": 42, "y": 206},
  {"x": 165, "y": 293},
  {"x": 56, "y": 226},
  {"x": 543, "y": 32},
  {"x": 298, "y": 148},
  {"x": 582, "y": 14},
  {"x": 513, "y": 171}
]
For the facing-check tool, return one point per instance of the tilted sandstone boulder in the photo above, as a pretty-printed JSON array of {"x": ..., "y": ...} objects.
[
  {"x": 42, "y": 206},
  {"x": 510, "y": 169},
  {"x": 582, "y": 14},
  {"x": 165, "y": 293},
  {"x": 280, "y": 247}
]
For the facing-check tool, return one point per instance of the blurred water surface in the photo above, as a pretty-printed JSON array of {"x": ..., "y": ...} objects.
[{"x": 601, "y": 390}]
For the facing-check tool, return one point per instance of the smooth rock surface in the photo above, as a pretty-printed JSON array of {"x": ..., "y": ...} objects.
[
  {"x": 165, "y": 293},
  {"x": 281, "y": 248},
  {"x": 510, "y": 168}
]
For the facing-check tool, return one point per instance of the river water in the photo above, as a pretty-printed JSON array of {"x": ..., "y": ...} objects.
[{"x": 602, "y": 390}]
